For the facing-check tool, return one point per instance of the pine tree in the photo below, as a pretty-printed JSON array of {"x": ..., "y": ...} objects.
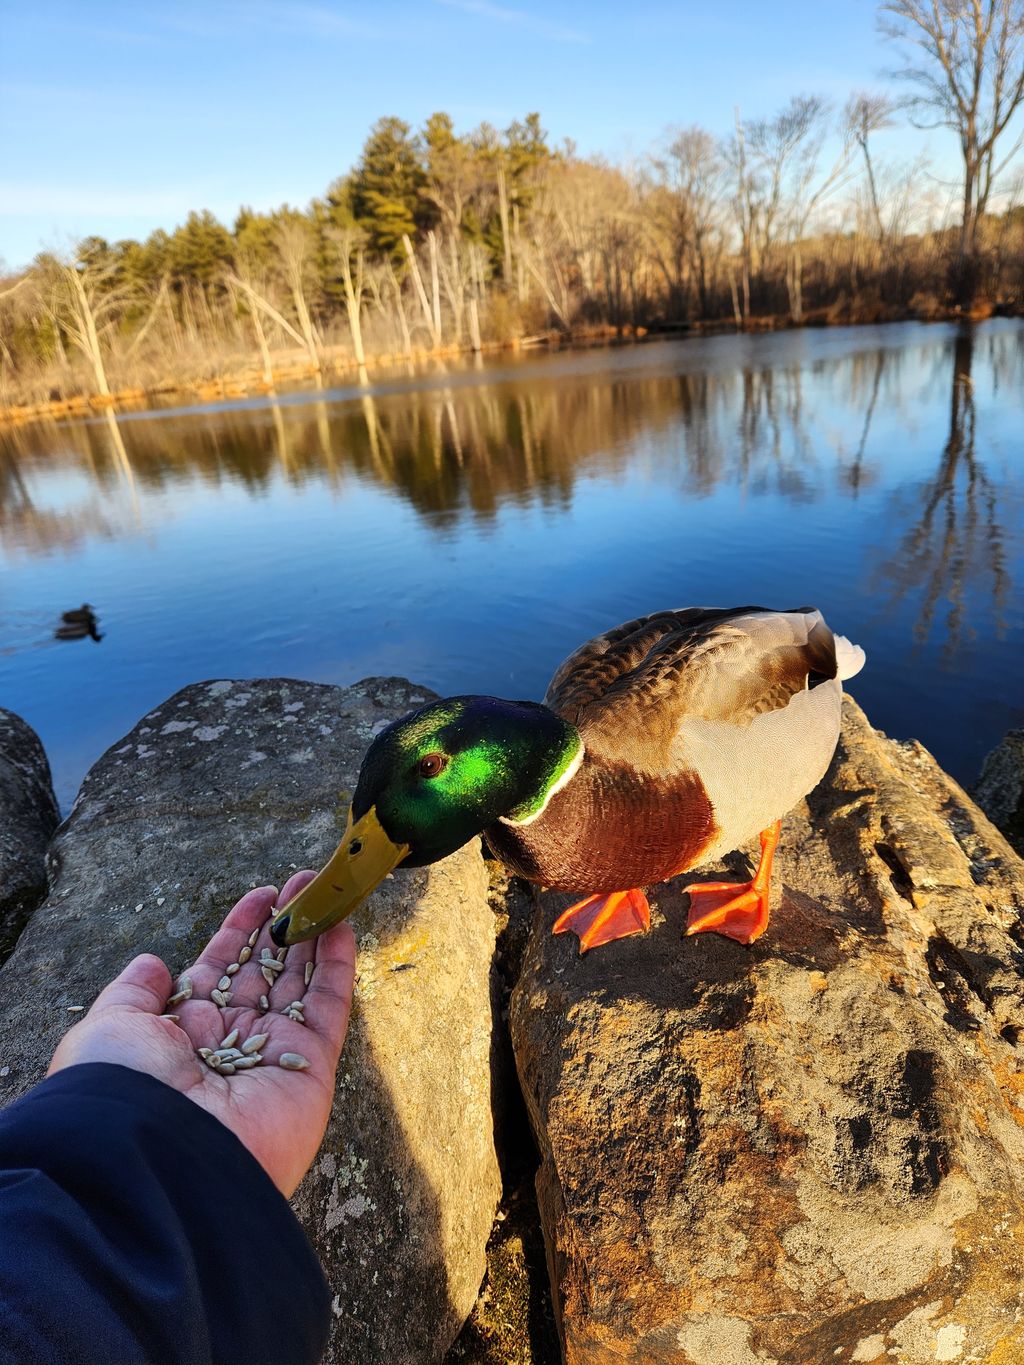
[
  {"x": 386, "y": 185},
  {"x": 452, "y": 172},
  {"x": 527, "y": 148},
  {"x": 255, "y": 241},
  {"x": 199, "y": 250}
]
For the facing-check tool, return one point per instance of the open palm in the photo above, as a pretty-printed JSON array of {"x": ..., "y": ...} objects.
[{"x": 280, "y": 1115}]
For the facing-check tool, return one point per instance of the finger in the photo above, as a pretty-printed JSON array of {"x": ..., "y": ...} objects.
[
  {"x": 252, "y": 912},
  {"x": 294, "y": 885},
  {"x": 290, "y": 984},
  {"x": 143, "y": 986},
  {"x": 328, "y": 999}
]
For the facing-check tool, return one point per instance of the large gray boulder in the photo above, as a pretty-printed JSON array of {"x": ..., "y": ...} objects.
[
  {"x": 810, "y": 1150},
  {"x": 999, "y": 790},
  {"x": 28, "y": 816},
  {"x": 228, "y": 785}
]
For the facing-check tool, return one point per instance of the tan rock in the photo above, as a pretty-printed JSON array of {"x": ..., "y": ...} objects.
[{"x": 811, "y": 1149}]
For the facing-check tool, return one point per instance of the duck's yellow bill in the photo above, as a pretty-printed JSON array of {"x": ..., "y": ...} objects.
[{"x": 363, "y": 859}]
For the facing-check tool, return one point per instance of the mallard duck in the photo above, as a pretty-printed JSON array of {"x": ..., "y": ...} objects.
[
  {"x": 77, "y": 624},
  {"x": 660, "y": 746}
]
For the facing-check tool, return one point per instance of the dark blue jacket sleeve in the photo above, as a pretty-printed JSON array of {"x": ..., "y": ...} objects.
[{"x": 134, "y": 1227}]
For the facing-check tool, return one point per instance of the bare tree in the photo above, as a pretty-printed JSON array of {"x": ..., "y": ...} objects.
[
  {"x": 795, "y": 144},
  {"x": 84, "y": 301},
  {"x": 13, "y": 289},
  {"x": 431, "y": 316},
  {"x": 571, "y": 202},
  {"x": 160, "y": 299},
  {"x": 690, "y": 177},
  {"x": 295, "y": 247},
  {"x": 395, "y": 286},
  {"x": 776, "y": 186},
  {"x": 259, "y": 301},
  {"x": 349, "y": 245},
  {"x": 967, "y": 75},
  {"x": 745, "y": 191},
  {"x": 867, "y": 114},
  {"x": 246, "y": 298}
]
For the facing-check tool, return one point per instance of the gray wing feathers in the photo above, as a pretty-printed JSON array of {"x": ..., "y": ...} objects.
[
  {"x": 748, "y": 698},
  {"x": 721, "y": 664}
]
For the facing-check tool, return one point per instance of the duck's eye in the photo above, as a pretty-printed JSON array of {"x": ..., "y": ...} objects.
[
  {"x": 356, "y": 846},
  {"x": 432, "y": 764}
]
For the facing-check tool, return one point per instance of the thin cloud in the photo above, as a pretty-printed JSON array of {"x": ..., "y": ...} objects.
[{"x": 484, "y": 9}]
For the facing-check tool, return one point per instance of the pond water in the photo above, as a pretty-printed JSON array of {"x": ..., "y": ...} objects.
[{"x": 467, "y": 527}]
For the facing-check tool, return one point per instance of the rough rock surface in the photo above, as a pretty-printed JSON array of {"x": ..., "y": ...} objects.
[
  {"x": 28, "y": 816},
  {"x": 999, "y": 790},
  {"x": 229, "y": 785},
  {"x": 512, "y": 1322},
  {"x": 811, "y": 1150}
]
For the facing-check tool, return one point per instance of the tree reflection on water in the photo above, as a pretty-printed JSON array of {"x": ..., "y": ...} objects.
[
  {"x": 784, "y": 420},
  {"x": 956, "y": 541}
]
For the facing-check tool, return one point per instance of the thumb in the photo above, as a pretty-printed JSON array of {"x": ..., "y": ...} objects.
[{"x": 142, "y": 987}]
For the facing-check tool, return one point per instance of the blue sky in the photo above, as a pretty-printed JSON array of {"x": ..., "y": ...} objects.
[{"x": 119, "y": 118}]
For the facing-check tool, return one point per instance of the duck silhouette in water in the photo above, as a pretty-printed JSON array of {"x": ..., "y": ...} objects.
[{"x": 77, "y": 624}]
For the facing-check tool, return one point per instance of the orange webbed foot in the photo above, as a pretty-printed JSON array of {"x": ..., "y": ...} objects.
[
  {"x": 739, "y": 910},
  {"x": 606, "y": 917},
  {"x": 736, "y": 909}
]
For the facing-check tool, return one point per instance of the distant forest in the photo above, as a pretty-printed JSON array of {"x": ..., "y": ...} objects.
[{"x": 439, "y": 241}]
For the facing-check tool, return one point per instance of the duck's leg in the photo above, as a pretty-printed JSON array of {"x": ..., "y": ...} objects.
[
  {"x": 602, "y": 918},
  {"x": 737, "y": 909}
]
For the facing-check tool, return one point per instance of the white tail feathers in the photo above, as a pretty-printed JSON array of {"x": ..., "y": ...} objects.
[{"x": 850, "y": 659}]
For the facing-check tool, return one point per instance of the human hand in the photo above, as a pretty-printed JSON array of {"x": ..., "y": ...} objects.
[{"x": 279, "y": 1115}]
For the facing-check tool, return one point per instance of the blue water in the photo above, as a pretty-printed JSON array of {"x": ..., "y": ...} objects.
[{"x": 469, "y": 527}]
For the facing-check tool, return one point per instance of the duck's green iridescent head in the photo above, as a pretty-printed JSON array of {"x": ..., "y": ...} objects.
[{"x": 427, "y": 785}]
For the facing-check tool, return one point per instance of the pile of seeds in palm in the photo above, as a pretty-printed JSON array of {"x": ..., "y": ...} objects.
[{"x": 231, "y": 1055}]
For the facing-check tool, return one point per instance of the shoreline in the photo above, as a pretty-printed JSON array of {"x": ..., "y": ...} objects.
[{"x": 248, "y": 381}]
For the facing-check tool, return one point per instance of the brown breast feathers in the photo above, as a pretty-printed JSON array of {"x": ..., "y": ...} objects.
[{"x": 609, "y": 829}]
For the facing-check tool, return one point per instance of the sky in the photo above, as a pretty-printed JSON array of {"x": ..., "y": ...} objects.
[{"x": 118, "y": 118}]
